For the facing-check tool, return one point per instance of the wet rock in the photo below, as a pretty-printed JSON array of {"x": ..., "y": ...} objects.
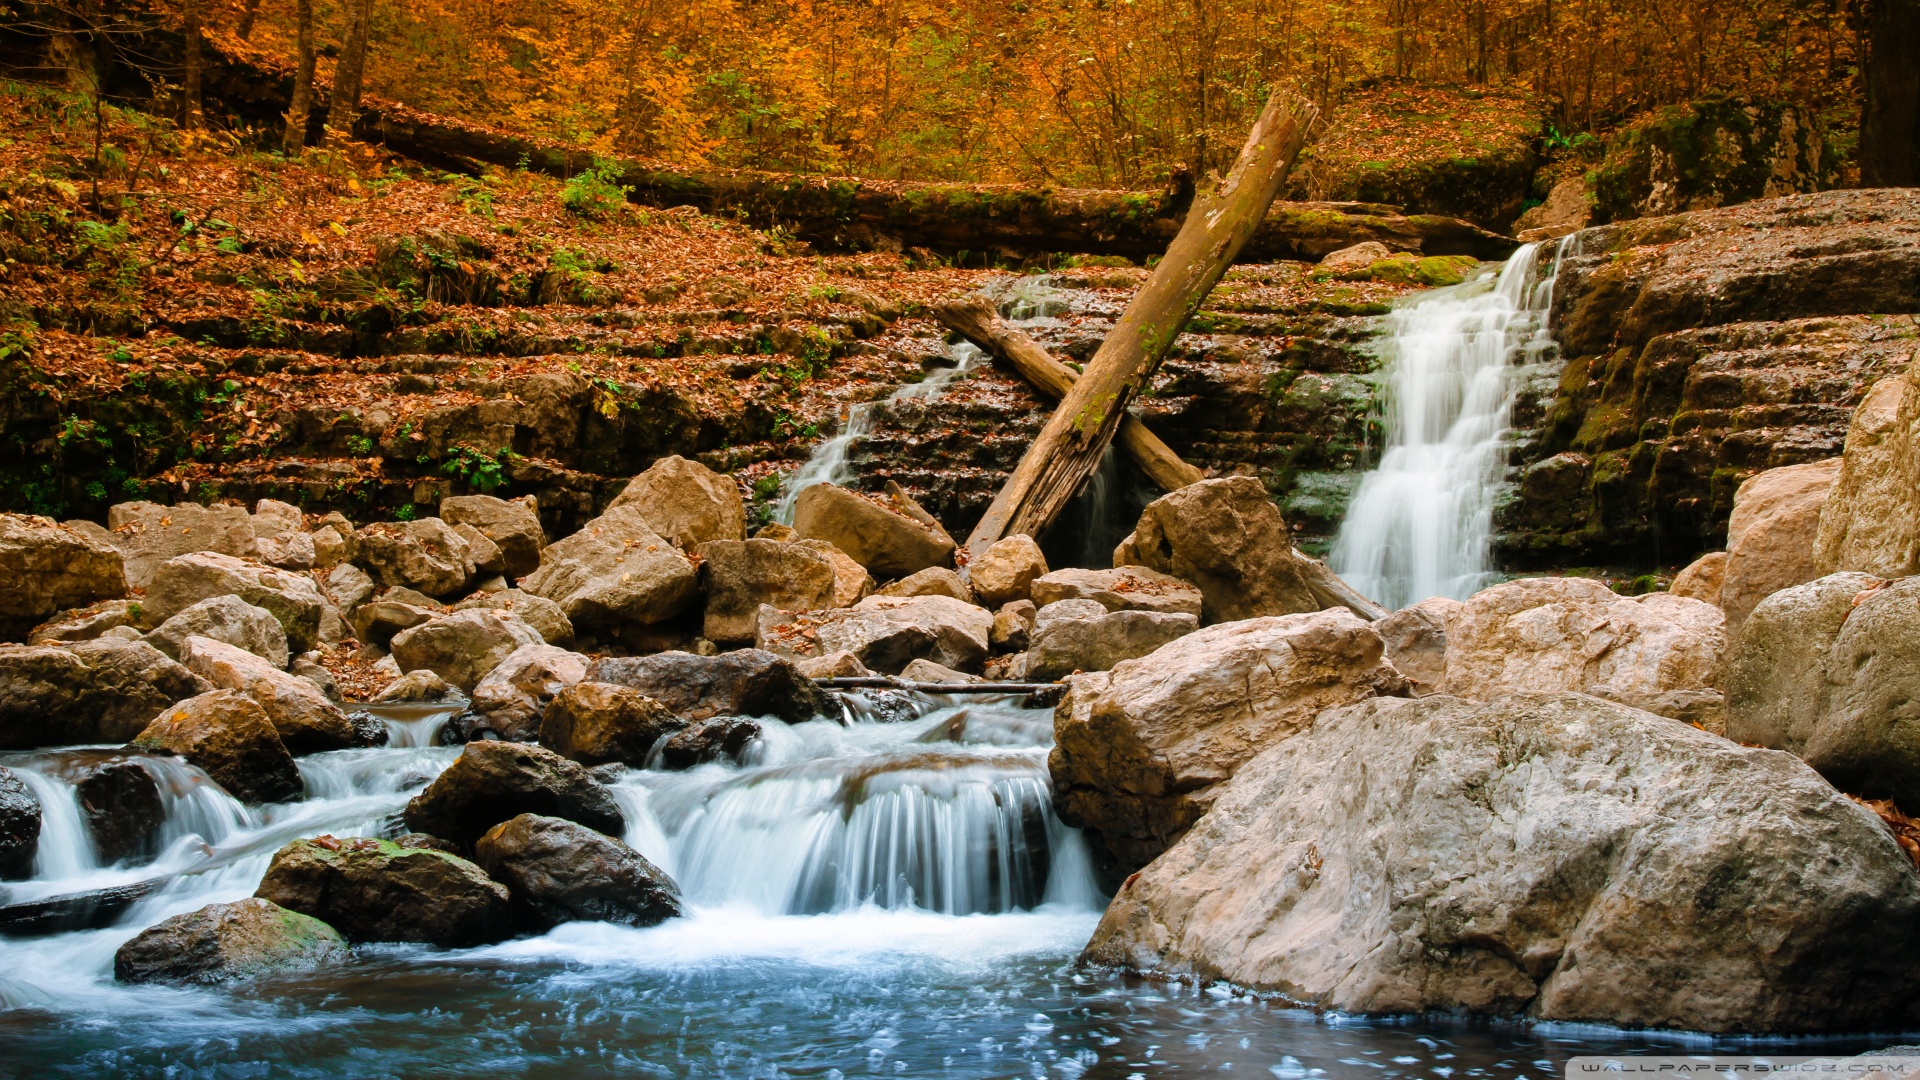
[
  {"x": 719, "y": 738},
  {"x": 744, "y": 682},
  {"x": 686, "y": 503},
  {"x": 1546, "y": 854},
  {"x": 890, "y": 541},
  {"x": 595, "y": 723},
  {"x": 307, "y": 722},
  {"x": 418, "y": 686},
  {"x": 1005, "y": 571},
  {"x": 19, "y": 827},
  {"x": 1576, "y": 634},
  {"x": 230, "y": 738},
  {"x": 149, "y": 534},
  {"x": 512, "y": 695},
  {"x": 224, "y": 618},
  {"x": 1416, "y": 639},
  {"x": 87, "y": 623},
  {"x": 1012, "y": 626},
  {"x": 424, "y": 554},
  {"x": 376, "y": 890},
  {"x": 851, "y": 582},
  {"x": 840, "y": 665},
  {"x": 463, "y": 647},
  {"x": 562, "y": 872},
  {"x": 179, "y": 583},
  {"x": 1227, "y": 538},
  {"x": 120, "y": 802},
  {"x": 933, "y": 581},
  {"x": 615, "y": 570},
  {"x": 885, "y": 632},
  {"x": 1141, "y": 751},
  {"x": 486, "y": 555},
  {"x": 104, "y": 690},
  {"x": 1702, "y": 578},
  {"x": 513, "y": 526},
  {"x": 1871, "y": 521},
  {"x": 542, "y": 614},
  {"x": 493, "y": 781},
  {"x": 741, "y": 575},
  {"x": 1777, "y": 669},
  {"x": 51, "y": 568},
  {"x": 1770, "y": 537},
  {"x": 227, "y": 943},
  {"x": 1096, "y": 642},
  {"x": 1867, "y": 739},
  {"x": 1123, "y": 588},
  {"x": 422, "y": 842}
]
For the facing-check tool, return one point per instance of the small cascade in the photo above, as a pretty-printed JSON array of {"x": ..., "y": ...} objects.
[
  {"x": 66, "y": 846},
  {"x": 829, "y": 462},
  {"x": 1421, "y": 524}
]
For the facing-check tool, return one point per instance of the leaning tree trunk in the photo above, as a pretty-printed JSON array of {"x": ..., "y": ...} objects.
[
  {"x": 344, "y": 105},
  {"x": 193, "y": 64},
  {"x": 1219, "y": 224},
  {"x": 1890, "y": 112},
  {"x": 247, "y": 16},
  {"x": 301, "y": 108},
  {"x": 976, "y": 320}
]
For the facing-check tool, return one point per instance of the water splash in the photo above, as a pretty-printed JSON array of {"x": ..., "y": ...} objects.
[{"x": 1421, "y": 524}]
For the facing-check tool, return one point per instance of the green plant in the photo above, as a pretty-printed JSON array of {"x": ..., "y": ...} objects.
[
  {"x": 360, "y": 444},
  {"x": 593, "y": 194},
  {"x": 481, "y": 471},
  {"x": 405, "y": 513}
]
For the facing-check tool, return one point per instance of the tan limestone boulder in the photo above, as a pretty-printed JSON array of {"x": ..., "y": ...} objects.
[
  {"x": 891, "y": 541},
  {"x": 306, "y": 721},
  {"x": 742, "y": 682},
  {"x": 1871, "y": 521},
  {"x": 615, "y": 570},
  {"x": 851, "y": 582},
  {"x": 424, "y": 554},
  {"x": 1123, "y": 588},
  {"x": 224, "y": 618},
  {"x": 1777, "y": 687},
  {"x": 933, "y": 581},
  {"x": 1702, "y": 578},
  {"x": 885, "y": 633},
  {"x": 229, "y": 737},
  {"x": 291, "y": 597},
  {"x": 686, "y": 503},
  {"x": 1867, "y": 739},
  {"x": 512, "y": 695},
  {"x": 1005, "y": 571},
  {"x": 1226, "y": 537},
  {"x": 50, "y": 568},
  {"x": 1416, "y": 638},
  {"x": 463, "y": 647},
  {"x": 596, "y": 723},
  {"x": 1098, "y": 640},
  {"x": 741, "y": 575},
  {"x": 542, "y": 614},
  {"x": 149, "y": 534},
  {"x": 512, "y": 525},
  {"x": 1770, "y": 537},
  {"x": 103, "y": 690}
]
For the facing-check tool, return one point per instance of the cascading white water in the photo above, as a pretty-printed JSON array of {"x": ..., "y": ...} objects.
[
  {"x": 1421, "y": 524},
  {"x": 828, "y": 464}
]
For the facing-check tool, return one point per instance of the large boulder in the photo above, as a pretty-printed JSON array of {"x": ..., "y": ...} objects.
[
  {"x": 616, "y": 569},
  {"x": 380, "y": 620},
  {"x": 1140, "y": 751},
  {"x": 891, "y": 540},
  {"x": 181, "y": 582},
  {"x": 1713, "y": 151},
  {"x": 1006, "y": 570},
  {"x": 493, "y": 781},
  {"x": 885, "y": 633},
  {"x": 224, "y": 618},
  {"x": 424, "y": 554},
  {"x": 597, "y": 723},
  {"x": 105, "y": 690},
  {"x": 149, "y": 534},
  {"x": 1770, "y": 538},
  {"x": 686, "y": 503},
  {"x": 1702, "y": 578},
  {"x": 717, "y": 738},
  {"x": 48, "y": 568},
  {"x": 1777, "y": 667},
  {"x": 121, "y": 805},
  {"x": 464, "y": 646},
  {"x": 1226, "y": 537},
  {"x": 87, "y": 623},
  {"x": 514, "y": 693},
  {"x": 19, "y": 826},
  {"x": 229, "y": 737},
  {"x": 377, "y": 890},
  {"x": 1096, "y": 641},
  {"x": 933, "y": 581},
  {"x": 1871, "y": 520},
  {"x": 1548, "y": 854},
  {"x": 542, "y": 614},
  {"x": 228, "y": 943},
  {"x": 1867, "y": 739},
  {"x": 1123, "y": 588},
  {"x": 1416, "y": 638},
  {"x": 513, "y": 526},
  {"x": 744, "y": 682},
  {"x": 743, "y": 574},
  {"x": 307, "y": 722},
  {"x": 1658, "y": 652},
  {"x": 851, "y": 582},
  {"x": 562, "y": 872}
]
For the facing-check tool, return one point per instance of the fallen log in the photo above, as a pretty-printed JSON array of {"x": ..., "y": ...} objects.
[
  {"x": 975, "y": 319},
  {"x": 1038, "y": 694},
  {"x": 1222, "y": 220},
  {"x": 89, "y": 910}
]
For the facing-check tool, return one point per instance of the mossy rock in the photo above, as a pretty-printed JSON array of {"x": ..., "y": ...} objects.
[{"x": 1712, "y": 152}]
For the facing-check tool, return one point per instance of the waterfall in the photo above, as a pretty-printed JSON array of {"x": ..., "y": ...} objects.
[{"x": 1421, "y": 524}]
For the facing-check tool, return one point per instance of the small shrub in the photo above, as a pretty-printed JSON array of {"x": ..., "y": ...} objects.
[{"x": 594, "y": 194}]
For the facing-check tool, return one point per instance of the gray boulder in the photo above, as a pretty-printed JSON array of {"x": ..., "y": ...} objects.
[
  {"x": 224, "y": 618},
  {"x": 744, "y": 682},
  {"x": 293, "y": 599},
  {"x": 1548, "y": 855},
  {"x": 1867, "y": 740},
  {"x": 87, "y": 623},
  {"x": 493, "y": 781},
  {"x": 1777, "y": 670},
  {"x": 424, "y": 554},
  {"x": 227, "y": 943},
  {"x": 19, "y": 826},
  {"x": 542, "y": 614},
  {"x": 562, "y": 872}
]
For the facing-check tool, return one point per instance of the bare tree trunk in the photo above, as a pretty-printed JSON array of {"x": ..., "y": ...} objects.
[
  {"x": 344, "y": 105},
  {"x": 1219, "y": 224},
  {"x": 976, "y": 320},
  {"x": 191, "y": 67},
  {"x": 247, "y": 15},
  {"x": 1890, "y": 114},
  {"x": 301, "y": 108}
]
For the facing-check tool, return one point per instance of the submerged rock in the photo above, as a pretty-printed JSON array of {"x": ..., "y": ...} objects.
[
  {"x": 493, "y": 781},
  {"x": 227, "y": 943},
  {"x": 718, "y": 738},
  {"x": 1547, "y": 854},
  {"x": 595, "y": 723},
  {"x": 19, "y": 827},
  {"x": 1140, "y": 751},
  {"x": 377, "y": 890},
  {"x": 744, "y": 682},
  {"x": 562, "y": 872},
  {"x": 228, "y": 735}
]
